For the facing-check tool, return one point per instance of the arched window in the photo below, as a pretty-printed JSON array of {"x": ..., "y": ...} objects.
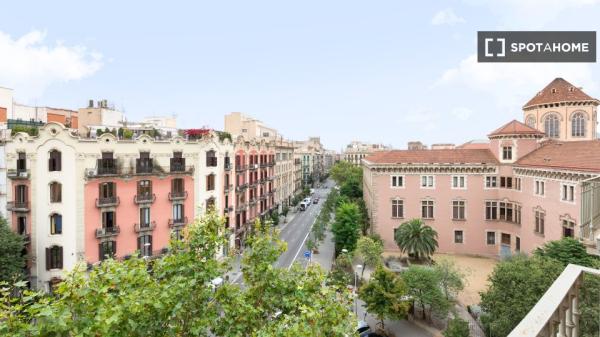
[
  {"x": 578, "y": 125},
  {"x": 54, "y": 162},
  {"x": 531, "y": 121},
  {"x": 55, "y": 224},
  {"x": 55, "y": 192},
  {"x": 552, "y": 126}
]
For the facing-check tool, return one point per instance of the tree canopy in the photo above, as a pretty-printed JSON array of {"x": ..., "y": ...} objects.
[
  {"x": 424, "y": 287},
  {"x": 12, "y": 260},
  {"x": 346, "y": 226},
  {"x": 385, "y": 295},
  {"x": 369, "y": 250},
  {"x": 414, "y": 237}
]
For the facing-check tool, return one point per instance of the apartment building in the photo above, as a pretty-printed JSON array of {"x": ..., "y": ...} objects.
[
  {"x": 532, "y": 182},
  {"x": 310, "y": 153},
  {"x": 357, "y": 150},
  {"x": 284, "y": 173},
  {"x": 254, "y": 196},
  {"x": 81, "y": 199}
]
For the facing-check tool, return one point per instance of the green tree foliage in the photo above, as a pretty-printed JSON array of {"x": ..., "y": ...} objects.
[
  {"x": 369, "y": 251},
  {"x": 30, "y": 130},
  {"x": 341, "y": 273},
  {"x": 275, "y": 218},
  {"x": 346, "y": 227},
  {"x": 424, "y": 286},
  {"x": 385, "y": 295},
  {"x": 127, "y": 134},
  {"x": 414, "y": 237},
  {"x": 343, "y": 172},
  {"x": 452, "y": 279},
  {"x": 566, "y": 250},
  {"x": 515, "y": 285},
  {"x": 12, "y": 260},
  {"x": 457, "y": 327},
  {"x": 173, "y": 295}
]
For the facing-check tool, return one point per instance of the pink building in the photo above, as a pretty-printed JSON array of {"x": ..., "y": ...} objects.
[{"x": 530, "y": 184}]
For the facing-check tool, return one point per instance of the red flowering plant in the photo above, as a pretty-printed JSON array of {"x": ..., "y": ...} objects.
[{"x": 195, "y": 134}]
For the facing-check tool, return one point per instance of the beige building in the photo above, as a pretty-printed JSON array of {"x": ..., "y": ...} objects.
[
  {"x": 356, "y": 150},
  {"x": 239, "y": 124},
  {"x": 310, "y": 153},
  {"x": 97, "y": 115}
]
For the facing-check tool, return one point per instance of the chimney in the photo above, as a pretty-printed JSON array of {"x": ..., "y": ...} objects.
[{"x": 91, "y": 103}]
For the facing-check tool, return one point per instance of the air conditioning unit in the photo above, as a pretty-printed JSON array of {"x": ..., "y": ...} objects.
[{"x": 91, "y": 173}]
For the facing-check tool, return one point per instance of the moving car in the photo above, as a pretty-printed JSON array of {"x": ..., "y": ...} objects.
[
  {"x": 315, "y": 200},
  {"x": 303, "y": 206},
  {"x": 307, "y": 200}
]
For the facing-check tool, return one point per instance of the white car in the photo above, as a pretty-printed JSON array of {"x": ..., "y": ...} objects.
[{"x": 307, "y": 200}]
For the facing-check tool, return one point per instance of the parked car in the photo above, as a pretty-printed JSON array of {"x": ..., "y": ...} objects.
[
  {"x": 307, "y": 200},
  {"x": 362, "y": 327}
]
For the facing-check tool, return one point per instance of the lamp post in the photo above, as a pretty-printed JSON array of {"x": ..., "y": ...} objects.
[{"x": 358, "y": 267}]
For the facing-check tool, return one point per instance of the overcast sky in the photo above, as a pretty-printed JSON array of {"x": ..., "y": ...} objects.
[{"x": 378, "y": 71}]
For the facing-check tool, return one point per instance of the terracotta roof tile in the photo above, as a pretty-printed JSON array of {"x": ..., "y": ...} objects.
[
  {"x": 573, "y": 155},
  {"x": 559, "y": 90},
  {"x": 451, "y": 156},
  {"x": 515, "y": 127}
]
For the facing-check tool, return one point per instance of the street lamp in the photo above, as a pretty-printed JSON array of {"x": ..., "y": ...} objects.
[{"x": 358, "y": 267}]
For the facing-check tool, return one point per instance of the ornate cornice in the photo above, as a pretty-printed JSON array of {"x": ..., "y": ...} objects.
[
  {"x": 433, "y": 169},
  {"x": 557, "y": 174}
]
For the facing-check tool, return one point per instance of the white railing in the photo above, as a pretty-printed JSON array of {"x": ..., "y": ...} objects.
[{"x": 557, "y": 312}]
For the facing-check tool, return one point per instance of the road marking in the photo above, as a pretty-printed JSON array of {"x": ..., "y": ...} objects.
[{"x": 302, "y": 245}]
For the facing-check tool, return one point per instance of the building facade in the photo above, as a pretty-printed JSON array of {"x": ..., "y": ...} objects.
[
  {"x": 284, "y": 173},
  {"x": 522, "y": 189},
  {"x": 356, "y": 151}
]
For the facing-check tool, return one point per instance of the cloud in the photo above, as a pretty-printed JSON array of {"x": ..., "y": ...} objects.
[
  {"x": 462, "y": 113},
  {"x": 30, "y": 65},
  {"x": 446, "y": 17},
  {"x": 512, "y": 84}
]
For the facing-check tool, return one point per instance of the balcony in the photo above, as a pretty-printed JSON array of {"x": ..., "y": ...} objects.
[
  {"x": 240, "y": 168},
  {"x": 142, "y": 228},
  {"x": 253, "y": 183},
  {"x": 240, "y": 207},
  {"x": 263, "y": 165},
  {"x": 271, "y": 164},
  {"x": 228, "y": 209},
  {"x": 178, "y": 195},
  {"x": 17, "y": 206},
  {"x": 144, "y": 198},
  {"x": 17, "y": 174},
  {"x": 227, "y": 165},
  {"x": 177, "y": 165},
  {"x": 106, "y": 232},
  {"x": 174, "y": 223},
  {"x": 144, "y": 166},
  {"x": 253, "y": 167},
  {"x": 211, "y": 161},
  {"x": 107, "y": 166},
  {"x": 557, "y": 312},
  {"x": 241, "y": 187},
  {"x": 252, "y": 202},
  {"x": 108, "y": 202},
  {"x": 227, "y": 188}
]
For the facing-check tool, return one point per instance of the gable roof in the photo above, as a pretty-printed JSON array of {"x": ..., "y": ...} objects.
[
  {"x": 515, "y": 127},
  {"x": 559, "y": 90},
  {"x": 445, "y": 156},
  {"x": 572, "y": 155}
]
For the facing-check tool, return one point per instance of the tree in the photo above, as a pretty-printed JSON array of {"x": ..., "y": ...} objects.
[
  {"x": 566, "y": 250},
  {"x": 452, "y": 279},
  {"x": 369, "y": 251},
  {"x": 12, "y": 259},
  {"x": 275, "y": 218},
  {"x": 342, "y": 171},
  {"x": 364, "y": 213},
  {"x": 284, "y": 211},
  {"x": 457, "y": 327},
  {"x": 414, "y": 237},
  {"x": 385, "y": 295},
  {"x": 424, "y": 287},
  {"x": 515, "y": 285},
  {"x": 346, "y": 227}
]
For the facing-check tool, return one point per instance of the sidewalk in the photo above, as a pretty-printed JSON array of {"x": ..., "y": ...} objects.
[{"x": 326, "y": 252}]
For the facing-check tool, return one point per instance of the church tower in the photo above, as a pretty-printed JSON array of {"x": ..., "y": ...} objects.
[{"x": 563, "y": 112}]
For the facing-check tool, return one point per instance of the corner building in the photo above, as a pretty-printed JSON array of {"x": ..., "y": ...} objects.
[{"x": 532, "y": 182}]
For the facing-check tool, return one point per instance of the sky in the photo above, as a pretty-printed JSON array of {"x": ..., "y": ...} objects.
[{"x": 377, "y": 71}]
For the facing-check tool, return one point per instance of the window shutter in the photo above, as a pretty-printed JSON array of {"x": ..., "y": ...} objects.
[
  {"x": 60, "y": 257},
  {"x": 47, "y": 258},
  {"x": 58, "y": 223},
  {"x": 58, "y": 161},
  {"x": 100, "y": 252},
  {"x": 114, "y": 244},
  {"x": 139, "y": 243}
]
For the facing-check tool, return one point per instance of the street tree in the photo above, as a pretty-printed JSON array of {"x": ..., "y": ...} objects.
[
  {"x": 457, "y": 327},
  {"x": 452, "y": 278},
  {"x": 346, "y": 226},
  {"x": 12, "y": 259},
  {"x": 369, "y": 251},
  {"x": 423, "y": 284},
  {"x": 414, "y": 237},
  {"x": 515, "y": 285},
  {"x": 385, "y": 295}
]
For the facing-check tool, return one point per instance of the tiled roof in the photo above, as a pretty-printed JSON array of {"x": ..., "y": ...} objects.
[
  {"x": 573, "y": 155},
  {"x": 515, "y": 127},
  {"x": 559, "y": 90},
  {"x": 449, "y": 156}
]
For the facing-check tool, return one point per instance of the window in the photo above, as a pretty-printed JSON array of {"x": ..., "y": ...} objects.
[
  {"x": 568, "y": 228},
  {"x": 54, "y": 257},
  {"x": 397, "y": 208},
  {"x": 491, "y": 210},
  {"x": 145, "y": 245},
  {"x": 427, "y": 181},
  {"x": 397, "y": 181},
  {"x": 506, "y": 182},
  {"x": 507, "y": 153},
  {"x": 458, "y": 236},
  {"x": 211, "y": 158},
  {"x": 210, "y": 203},
  {"x": 427, "y": 209},
  {"x": 55, "y": 224},
  {"x": 578, "y": 125},
  {"x": 539, "y": 222},
  {"x": 54, "y": 162},
  {"x": 517, "y": 244},
  {"x": 539, "y": 188},
  {"x": 55, "y": 192},
  {"x": 502, "y": 211},
  {"x": 21, "y": 225},
  {"x": 210, "y": 182},
  {"x": 458, "y": 210},
  {"x": 178, "y": 212},
  {"x": 517, "y": 184},
  {"x": 144, "y": 164},
  {"x": 144, "y": 188},
  {"x": 108, "y": 190},
  {"x": 109, "y": 220},
  {"x": 567, "y": 193},
  {"x": 177, "y": 185},
  {"x": 107, "y": 249},
  {"x": 517, "y": 219},
  {"x": 459, "y": 181},
  {"x": 145, "y": 217},
  {"x": 491, "y": 181},
  {"x": 490, "y": 238},
  {"x": 531, "y": 121},
  {"x": 551, "y": 126},
  {"x": 21, "y": 162}
]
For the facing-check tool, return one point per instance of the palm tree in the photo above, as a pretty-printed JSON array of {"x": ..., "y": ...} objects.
[{"x": 416, "y": 238}]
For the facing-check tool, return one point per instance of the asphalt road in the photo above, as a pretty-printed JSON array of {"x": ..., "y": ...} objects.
[{"x": 296, "y": 231}]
